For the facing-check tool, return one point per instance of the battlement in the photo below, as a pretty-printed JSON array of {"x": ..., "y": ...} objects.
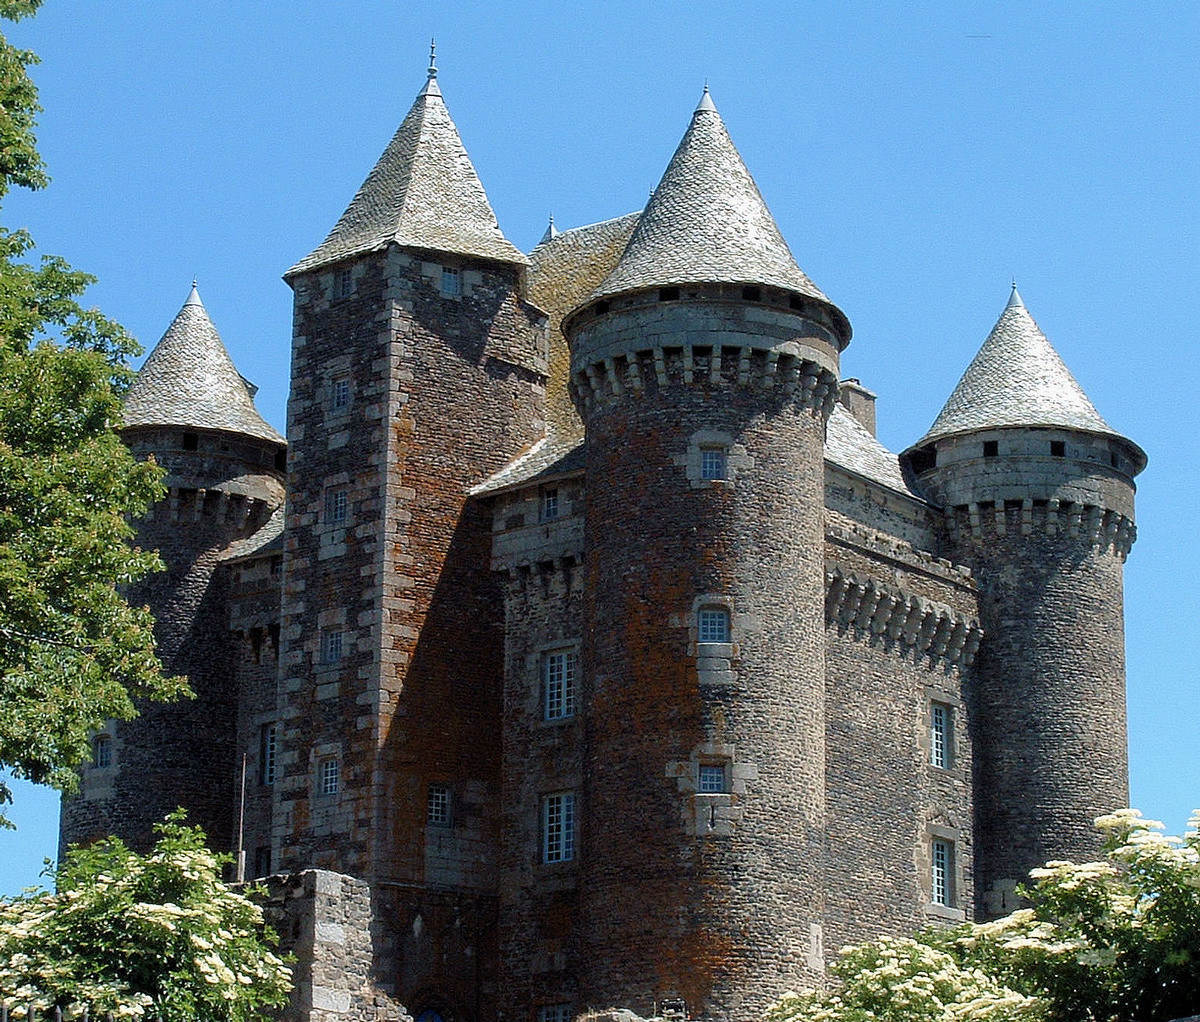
[{"x": 1096, "y": 525}]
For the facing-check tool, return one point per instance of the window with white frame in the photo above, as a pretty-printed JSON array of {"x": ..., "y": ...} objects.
[
  {"x": 711, "y": 779},
  {"x": 713, "y": 462},
  {"x": 941, "y": 736},
  {"x": 343, "y": 282},
  {"x": 548, "y": 506},
  {"x": 339, "y": 393},
  {"x": 942, "y": 872},
  {"x": 558, "y": 827},
  {"x": 712, "y": 624},
  {"x": 333, "y": 645},
  {"x": 328, "y": 776},
  {"x": 437, "y": 805},
  {"x": 266, "y": 754},
  {"x": 560, "y": 670},
  {"x": 451, "y": 281},
  {"x": 554, "y": 1013},
  {"x": 102, "y": 751},
  {"x": 337, "y": 506}
]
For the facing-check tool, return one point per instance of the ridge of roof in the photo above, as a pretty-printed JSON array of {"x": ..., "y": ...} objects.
[
  {"x": 1016, "y": 379},
  {"x": 190, "y": 380},
  {"x": 706, "y": 222},
  {"x": 853, "y": 447},
  {"x": 423, "y": 192}
]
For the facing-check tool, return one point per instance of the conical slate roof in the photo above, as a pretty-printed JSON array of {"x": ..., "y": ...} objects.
[
  {"x": 1016, "y": 379},
  {"x": 423, "y": 193},
  {"x": 707, "y": 223},
  {"x": 190, "y": 380}
]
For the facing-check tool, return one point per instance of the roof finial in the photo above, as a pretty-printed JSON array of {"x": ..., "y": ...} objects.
[
  {"x": 1014, "y": 299},
  {"x": 432, "y": 58},
  {"x": 706, "y": 103}
]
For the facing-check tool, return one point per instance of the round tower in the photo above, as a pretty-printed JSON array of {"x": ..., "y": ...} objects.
[
  {"x": 1038, "y": 496},
  {"x": 704, "y": 367},
  {"x": 194, "y": 414}
]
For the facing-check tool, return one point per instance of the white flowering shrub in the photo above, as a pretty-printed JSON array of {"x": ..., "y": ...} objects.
[
  {"x": 158, "y": 935},
  {"x": 1111, "y": 941}
]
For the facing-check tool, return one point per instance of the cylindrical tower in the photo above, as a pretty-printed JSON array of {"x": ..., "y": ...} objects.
[
  {"x": 704, "y": 368},
  {"x": 192, "y": 412},
  {"x": 1038, "y": 495}
]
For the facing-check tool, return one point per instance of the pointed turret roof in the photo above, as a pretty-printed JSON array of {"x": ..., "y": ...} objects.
[
  {"x": 189, "y": 380},
  {"x": 1017, "y": 379},
  {"x": 706, "y": 222},
  {"x": 422, "y": 193}
]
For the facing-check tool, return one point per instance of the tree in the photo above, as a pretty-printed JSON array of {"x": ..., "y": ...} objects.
[
  {"x": 73, "y": 653},
  {"x": 153, "y": 936},
  {"x": 1117, "y": 940}
]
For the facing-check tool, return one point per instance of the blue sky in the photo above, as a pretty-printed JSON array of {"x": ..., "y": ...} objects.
[{"x": 917, "y": 156}]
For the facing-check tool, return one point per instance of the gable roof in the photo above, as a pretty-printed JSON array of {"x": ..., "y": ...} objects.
[
  {"x": 190, "y": 380},
  {"x": 423, "y": 192}
]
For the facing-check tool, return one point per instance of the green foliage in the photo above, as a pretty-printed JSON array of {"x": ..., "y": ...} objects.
[
  {"x": 1111, "y": 941},
  {"x": 144, "y": 936},
  {"x": 73, "y": 653}
]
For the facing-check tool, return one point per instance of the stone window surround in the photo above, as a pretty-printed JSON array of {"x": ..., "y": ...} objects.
[
  {"x": 950, "y": 839},
  {"x": 468, "y": 279},
  {"x": 336, "y": 511},
  {"x": 268, "y": 752},
  {"x": 712, "y": 814},
  {"x": 319, "y": 757},
  {"x": 952, "y": 701},
  {"x": 692, "y": 460},
  {"x": 714, "y": 660},
  {"x": 439, "y": 805},
  {"x": 330, "y": 622},
  {"x": 103, "y": 752},
  {"x": 558, "y": 827},
  {"x": 570, "y": 648},
  {"x": 549, "y": 503}
]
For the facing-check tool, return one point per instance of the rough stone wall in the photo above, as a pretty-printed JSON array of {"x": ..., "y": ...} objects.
[
  {"x": 734, "y": 877},
  {"x": 184, "y": 753},
  {"x": 543, "y": 591},
  {"x": 886, "y": 800}
]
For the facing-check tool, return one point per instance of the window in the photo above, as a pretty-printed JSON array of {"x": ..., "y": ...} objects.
[
  {"x": 559, "y": 673},
  {"x": 266, "y": 755},
  {"x": 332, "y": 646},
  {"x": 437, "y": 805},
  {"x": 343, "y": 283},
  {"x": 712, "y": 779},
  {"x": 191, "y": 441},
  {"x": 942, "y": 877},
  {"x": 712, "y": 624},
  {"x": 262, "y": 861},
  {"x": 712, "y": 463},
  {"x": 327, "y": 776},
  {"x": 336, "y": 506},
  {"x": 558, "y": 827},
  {"x": 1058, "y": 448},
  {"x": 548, "y": 509},
  {"x": 941, "y": 750},
  {"x": 339, "y": 394},
  {"x": 991, "y": 448},
  {"x": 554, "y": 1013},
  {"x": 451, "y": 281},
  {"x": 102, "y": 751}
]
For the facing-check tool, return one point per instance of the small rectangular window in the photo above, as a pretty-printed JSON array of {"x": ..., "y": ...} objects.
[
  {"x": 559, "y": 688},
  {"x": 328, "y": 778},
  {"x": 940, "y": 736},
  {"x": 713, "y": 624},
  {"x": 437, "y": 805},
  {"x": 190, "y": 441},
  {"x": 102, "y": 751},
  {"x": 554, "y": 1013},
  {"x": 262, "y": 861},
  {"x": 942, "y": 878},
  {"x": 336, "y": 506},
  {"x": 451, "y": 281},
  {"x": 712, "y": 463},
  {"x": 548, "y": 508},
  {"x": 991, "y": 448},
  {"x": 712, "y": 779},
  {"x": 1058, "y": 448},
  {"x": 332, "y": 646},
  {"x": 558, "y": 827},
  {"x": 343, "y": 283},
  {"x": 339, "y": 394},
  {"x": 266, "y": 754}
]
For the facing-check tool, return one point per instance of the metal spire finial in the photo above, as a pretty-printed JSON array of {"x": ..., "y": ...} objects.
[{"x": 432, "y": 58}]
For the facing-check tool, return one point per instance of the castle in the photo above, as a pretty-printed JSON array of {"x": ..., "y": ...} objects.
[{"x": 581, "y": 645}]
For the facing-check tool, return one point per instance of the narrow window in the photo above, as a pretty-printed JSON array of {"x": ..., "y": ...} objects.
[
  {"x": 752, "y": 294},
  {"x": 437, "y": 805},
  {"x": 266, "y": 754},
  {"x": 942, "y": 878},
  {"x": 991, "y": 448},
  {"x": 335, "y": 506},
  {"x": 712, "y": 463},
  {"x": 102, "y": 751},
  {"x": 712, "y": 624},
  {"x": 712, "y": 779},
  {"x": 558, "y": 827},
  {"x": 548, "y": 509},
  {"x": 451, "y": 281},
  {"x": 262, "y": 861},
  {"x": 1058, "y": 449},
  {"x": 554, "y": 1013},
  {"x": 559, "y": 670},
  {"x": 328, "y": 776},
  {"x": 339, "y": 394},
  {"x": 941, "y": 735},
  {"x": 191, "y": 441},
  {"x": 343, "y": 283},
  {"x": 276, "y": 566},
  {"x": 332, "y": 646}
]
